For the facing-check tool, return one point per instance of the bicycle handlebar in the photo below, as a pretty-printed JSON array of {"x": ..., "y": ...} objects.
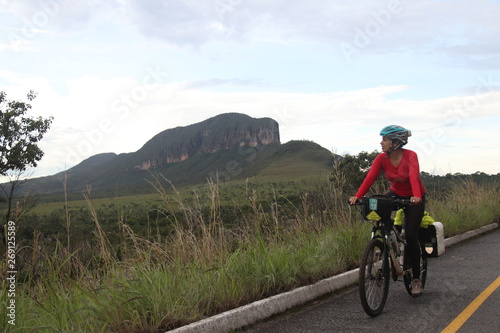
[
  {"x": 397, "y": 201},
  {"x": 404, "y": 202}
]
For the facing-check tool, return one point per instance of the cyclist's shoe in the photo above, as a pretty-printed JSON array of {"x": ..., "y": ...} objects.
[{"x": 416, "y": 287}]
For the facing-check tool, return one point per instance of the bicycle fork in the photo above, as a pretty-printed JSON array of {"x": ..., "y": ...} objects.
[{"x": 395, "y": 262}]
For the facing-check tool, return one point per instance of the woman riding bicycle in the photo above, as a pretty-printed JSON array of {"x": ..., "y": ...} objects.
[{"x": 402, "y": 170}]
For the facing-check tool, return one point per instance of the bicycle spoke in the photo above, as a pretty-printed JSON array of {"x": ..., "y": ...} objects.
[{"x": 374, "y": 278}]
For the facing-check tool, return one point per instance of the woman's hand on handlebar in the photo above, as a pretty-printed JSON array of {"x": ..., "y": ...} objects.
[
  {"x": 353, "y": 200},
  {"x": 415, "y": 200}
]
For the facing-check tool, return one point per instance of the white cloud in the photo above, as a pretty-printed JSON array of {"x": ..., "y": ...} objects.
[
  {"x": 347, "y": 121},
  {"x": 441, "y": 26},
  {"x": 429, "y": 65}
]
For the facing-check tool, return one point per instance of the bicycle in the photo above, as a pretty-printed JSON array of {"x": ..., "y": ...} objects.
[{"x": 387, "y": 242}]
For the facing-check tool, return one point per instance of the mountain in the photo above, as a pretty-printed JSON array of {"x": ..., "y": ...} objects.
[
  {"x": 222, "y": 132},
  {"x": 226, "y": 147}
]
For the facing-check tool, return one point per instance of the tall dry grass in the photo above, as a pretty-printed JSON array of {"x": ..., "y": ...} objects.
[
  {"x": 204, "y": 266},
  {"x": 465, "y": 206}
]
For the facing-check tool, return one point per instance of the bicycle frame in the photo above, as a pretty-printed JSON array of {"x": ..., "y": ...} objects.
[
  {"x": 379, "y": 232},
  {"x": 379, "y": 258},
  {"x": 378, "y": 210}
]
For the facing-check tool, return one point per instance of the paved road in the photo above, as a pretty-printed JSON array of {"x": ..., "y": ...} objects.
[{"x": 454, "y": 281}]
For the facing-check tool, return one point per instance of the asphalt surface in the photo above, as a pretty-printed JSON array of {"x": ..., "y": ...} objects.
[{"x": 454, "y": 280}]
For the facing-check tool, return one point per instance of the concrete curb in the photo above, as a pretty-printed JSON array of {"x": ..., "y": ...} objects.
[
  {"x": 265, "y": 308},
  {"x": 469, "y": 234}
]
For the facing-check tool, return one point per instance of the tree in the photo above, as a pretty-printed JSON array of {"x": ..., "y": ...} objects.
[
  {"x": 19, "y": 137},
  {"x": 7, "y": 194},
  {"x": 20, "y": 134},
  {"x": 350, "y": 171}
]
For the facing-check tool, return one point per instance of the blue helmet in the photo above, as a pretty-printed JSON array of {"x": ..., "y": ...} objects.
[{"x": 395, "y": 132}]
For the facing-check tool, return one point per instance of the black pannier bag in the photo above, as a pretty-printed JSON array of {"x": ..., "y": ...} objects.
[
  {"x": 379, "y": 207},
  {"x": 432, "y": 239}
]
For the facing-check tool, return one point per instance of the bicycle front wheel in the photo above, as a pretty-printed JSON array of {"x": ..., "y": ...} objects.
[{"x": 374, "y": 278}]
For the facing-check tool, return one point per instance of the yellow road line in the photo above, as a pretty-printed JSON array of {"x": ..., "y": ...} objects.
[{"x": 455, "y": 325}]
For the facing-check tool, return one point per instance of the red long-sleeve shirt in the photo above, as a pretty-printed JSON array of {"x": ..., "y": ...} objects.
[{"x": 404, "y": 179}]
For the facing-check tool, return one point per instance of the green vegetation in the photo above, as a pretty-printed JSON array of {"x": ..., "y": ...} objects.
[
  {"x": 19, "y": 138},
  {"x": 194, "y": 255},
  {"x": 467, "y": 205},
  {"x": 121, "y": 259},
  {"x": 20, "y": 135}
]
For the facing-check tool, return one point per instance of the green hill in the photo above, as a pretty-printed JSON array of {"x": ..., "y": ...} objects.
[{"x": 224, "y": 148}]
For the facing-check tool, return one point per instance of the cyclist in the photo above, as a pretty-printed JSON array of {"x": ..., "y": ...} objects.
[{"x": 402, "y": 169}]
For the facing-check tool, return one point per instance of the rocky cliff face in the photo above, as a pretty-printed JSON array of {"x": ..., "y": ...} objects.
[{"x": 225, "y": 131}]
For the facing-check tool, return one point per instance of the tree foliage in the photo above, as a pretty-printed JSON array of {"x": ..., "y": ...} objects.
[
  {"x": 20, "y": 134},
  {"x": 350, "y": 171}
]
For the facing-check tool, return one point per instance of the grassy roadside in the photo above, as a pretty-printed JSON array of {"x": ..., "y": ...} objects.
[
  {"x": 466, "y": 206},
  {"x": 204, "y": 267}
]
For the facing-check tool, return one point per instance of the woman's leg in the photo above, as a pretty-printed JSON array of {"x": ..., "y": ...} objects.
[{"x": 413, "y": 217}]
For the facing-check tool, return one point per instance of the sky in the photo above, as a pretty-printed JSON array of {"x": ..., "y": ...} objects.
[{"x": 115, "y": 73}]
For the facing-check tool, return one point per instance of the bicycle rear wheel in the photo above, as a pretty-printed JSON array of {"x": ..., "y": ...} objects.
[
  {"x": 408, "y": 272},
  {"x": 374, "y": 278}
]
